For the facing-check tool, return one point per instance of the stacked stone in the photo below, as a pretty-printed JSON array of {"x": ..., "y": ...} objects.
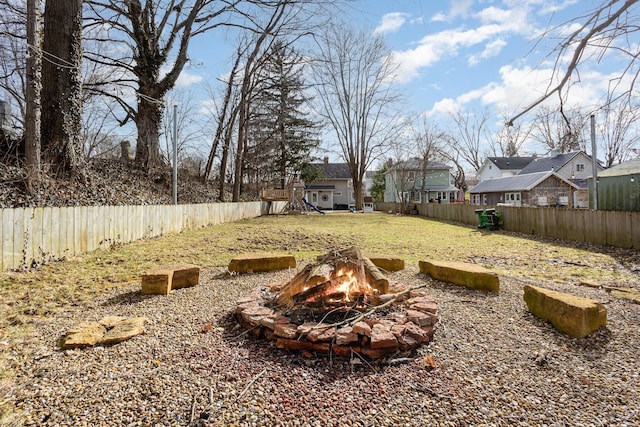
[{"x": 410, "y": 325}]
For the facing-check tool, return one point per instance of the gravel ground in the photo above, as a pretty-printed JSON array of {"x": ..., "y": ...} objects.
[{"x": 496, "y": 365}]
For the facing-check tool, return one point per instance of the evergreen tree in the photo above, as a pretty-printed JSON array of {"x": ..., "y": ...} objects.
[
  {"x": 283, "y": 138},
  {"x": 379, "y": 184}
]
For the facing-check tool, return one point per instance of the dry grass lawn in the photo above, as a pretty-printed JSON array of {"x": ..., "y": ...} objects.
[{"x": 25, "y": 296}]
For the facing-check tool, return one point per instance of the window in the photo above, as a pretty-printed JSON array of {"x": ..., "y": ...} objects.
[
  {"x": 475, "y": 199},
  {"x": 411, "y": 176},
  {"x": 580, "y": 167},
  {"x": 337, "y": 193},
  {"x": 484, "y": 199}
]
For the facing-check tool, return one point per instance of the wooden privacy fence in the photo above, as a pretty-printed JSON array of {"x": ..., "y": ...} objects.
[
  {"x": 36, "y": 235},
  {"x": 614, "y": 228}
]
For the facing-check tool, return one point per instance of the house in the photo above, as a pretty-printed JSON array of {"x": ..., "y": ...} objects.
[
  {"x": 405, "y": 182},
  {"x": 499, "y": 167},
  {"x": 532, "y": 189},
  {"x": 619, "y": 187},
  {"x": 576, "y": 167},
  {"x": 335, "y": 191}
]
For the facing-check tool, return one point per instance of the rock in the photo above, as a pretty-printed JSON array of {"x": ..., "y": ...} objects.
[
  {"x": 421, "y": 318},
  {"x": 472, "y": 276},
  {"x": 417, "y": 333},
  {"x": 345, "y": 335},
  {"x": 261, "y": 262},
  {"x": 362, "y": 328},
  {"x": 84, "y": 334},
  {"x": 382, "y": 338},
  {"x": 124, "y": 330},
  {"x": 285, "y": 330},
  {"x": 163, "y": 279},
  {"x": 110, "y": 321},
  {"x": 386, "y": 262},
  {"x": 424, "y": 306},
  {"x": 571, "y": 314},
  {"x": 325, "y": 334}
]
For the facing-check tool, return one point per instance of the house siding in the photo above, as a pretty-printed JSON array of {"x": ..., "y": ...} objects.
[{"x": 551, "y": 188}]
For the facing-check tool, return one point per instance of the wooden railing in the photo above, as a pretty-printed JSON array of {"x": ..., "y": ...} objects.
[{"x": 272, "y": 194}]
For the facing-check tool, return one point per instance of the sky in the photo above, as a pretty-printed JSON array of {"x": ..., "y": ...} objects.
[{"x": 458, "y": 55}]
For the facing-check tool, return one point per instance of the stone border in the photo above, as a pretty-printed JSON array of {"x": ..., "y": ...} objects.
[{"x": 410, "y": 325}]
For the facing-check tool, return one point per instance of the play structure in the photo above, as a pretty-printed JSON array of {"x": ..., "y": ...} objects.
[{"x": 294, "y": 195}]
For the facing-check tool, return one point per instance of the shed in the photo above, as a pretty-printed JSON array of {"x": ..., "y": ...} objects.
[{"x": 619, "y": 187}]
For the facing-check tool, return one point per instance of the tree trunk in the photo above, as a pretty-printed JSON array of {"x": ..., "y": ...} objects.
[
  {"x": 32, "y": 95},
  {"x": 357, "y": 189},
  {"x": 148, "y": 122},
  {"x": 62, "y": 88}
]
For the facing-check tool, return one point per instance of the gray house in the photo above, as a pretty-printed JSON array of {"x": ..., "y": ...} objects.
[
  {"x": 533, "y": 189},
  {"x": 335, "y": 191},
  {"x": 411, "y": 181}
]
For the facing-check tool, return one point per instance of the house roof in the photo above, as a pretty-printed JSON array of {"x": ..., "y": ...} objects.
[
  {"x": 333, "y": 170},
  {"x": 415, "y": 163},
  {"x": 545, "y": 164},
  {"x": 515, "y": 183},
  {"x": 510, "y": 163},
  {"x": 625, "y": 168}
]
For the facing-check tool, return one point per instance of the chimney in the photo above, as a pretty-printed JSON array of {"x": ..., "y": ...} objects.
[{"x": 326, "y": 160}]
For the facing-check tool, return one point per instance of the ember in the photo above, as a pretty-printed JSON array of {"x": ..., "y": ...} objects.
[{"x": 340, "y": 305}]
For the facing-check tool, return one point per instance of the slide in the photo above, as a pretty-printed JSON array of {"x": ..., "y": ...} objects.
[{"x": 311, "y": 206}]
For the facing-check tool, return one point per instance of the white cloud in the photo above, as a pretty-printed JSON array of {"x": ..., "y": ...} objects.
[
  {"x": 187, "y": 79},
  {"x": 493, "y": 48},
  {"x": 496, "y": 25},
  {"x": 439, "y": 17},
  {"x": 460, "y": 8},
  {"x": 391, "y": 22}
]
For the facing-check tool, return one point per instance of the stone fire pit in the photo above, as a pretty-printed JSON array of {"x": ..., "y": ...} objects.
[{"x": 342, "y": 305}]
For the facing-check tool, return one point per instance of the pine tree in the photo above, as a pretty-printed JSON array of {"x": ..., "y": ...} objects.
[{"x": 283, "y": 137}]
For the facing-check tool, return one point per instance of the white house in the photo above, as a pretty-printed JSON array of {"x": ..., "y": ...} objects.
[{"x": 500, "y": 167}]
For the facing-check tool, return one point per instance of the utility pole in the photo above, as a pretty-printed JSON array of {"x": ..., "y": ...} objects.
[
  {"x": 175, "y": 154},
  {"x": 594, "y": 162}
]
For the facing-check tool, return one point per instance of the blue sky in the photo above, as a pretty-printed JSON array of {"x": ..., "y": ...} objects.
[{"x": 458, "y": 55}]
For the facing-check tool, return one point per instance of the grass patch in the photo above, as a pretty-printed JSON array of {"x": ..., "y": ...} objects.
[{"x": 54, "y": 287}]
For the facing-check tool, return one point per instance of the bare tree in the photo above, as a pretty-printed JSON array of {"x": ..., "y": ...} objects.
[
  {"x": 606, "y": 28},
  {"x": 154, "y": 34},
  {"x": 510, "y": 139},
  {"x": 62, "y": 89},
  {"x": 458, "y": 159},
  {"x": 188, "y": 126},
  {"x": 559, "y": 130},
  {"x": 354, "y": 74},
  {"x": 468, "y": 137},
  {"x": 13, "y": 57},
  {"x": 617, "y": 141},
  {"x": 429, "y": 140}
]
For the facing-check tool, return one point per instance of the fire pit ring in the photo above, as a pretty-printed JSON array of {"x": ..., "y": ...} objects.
[{"x": 342, "y": 305}]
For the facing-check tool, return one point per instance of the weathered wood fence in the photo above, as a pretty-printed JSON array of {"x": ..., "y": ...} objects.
[
  {"x": 614, "y": 228},
  {"x": 36, "y": 235}
]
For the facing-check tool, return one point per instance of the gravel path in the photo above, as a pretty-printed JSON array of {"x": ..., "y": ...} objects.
[{"x": 496, "y": 365}]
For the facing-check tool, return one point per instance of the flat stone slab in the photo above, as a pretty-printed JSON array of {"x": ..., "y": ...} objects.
[
  {"x": 472, "y": 276},
  {"x": 386, "y": 262},
  {"x": 253, "y": 263},
  {"x": 163, "y": 279},
  {"x": 110, "y": 330},
  {"x": 570, "y": 314}
]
